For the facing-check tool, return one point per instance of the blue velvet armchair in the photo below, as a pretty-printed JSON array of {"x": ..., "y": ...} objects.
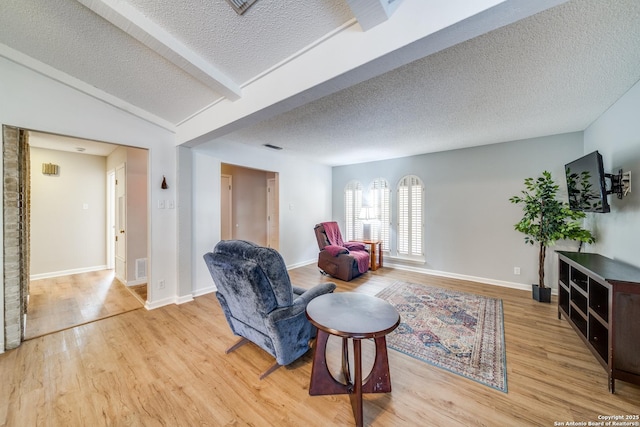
[{"x": 259, "y": 302}]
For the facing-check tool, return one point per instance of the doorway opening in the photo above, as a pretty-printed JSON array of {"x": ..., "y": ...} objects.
[
  {"x": 71, "y": 226},
  {"x": 249, "y": 203}
]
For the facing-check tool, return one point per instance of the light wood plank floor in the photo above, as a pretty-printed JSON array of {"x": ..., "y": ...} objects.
[
  {"x": 62, "y": 302},
  {"x": 167, "y": 367},
  {"x": 140, "y": 292}
]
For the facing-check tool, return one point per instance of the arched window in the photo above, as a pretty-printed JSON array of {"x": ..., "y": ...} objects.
[
  {"x": 379, "y": 198},
  {"x": 352, "y": 206},
  {"x": 410, "y": 211}
]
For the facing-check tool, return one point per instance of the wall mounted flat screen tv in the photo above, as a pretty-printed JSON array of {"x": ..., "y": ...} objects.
[{"x": 586, "y": 184}]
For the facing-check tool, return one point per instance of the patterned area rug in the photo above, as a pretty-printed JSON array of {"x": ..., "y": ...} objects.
[{"x": 457, "y": 331}]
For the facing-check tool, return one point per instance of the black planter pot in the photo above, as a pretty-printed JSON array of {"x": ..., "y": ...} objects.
[{"x": 541, "y": 294}]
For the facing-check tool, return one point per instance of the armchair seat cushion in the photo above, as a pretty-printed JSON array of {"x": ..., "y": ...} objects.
[{"x": 362, "y": 259}]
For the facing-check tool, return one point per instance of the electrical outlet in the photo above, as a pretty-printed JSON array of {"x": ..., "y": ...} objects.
[
  {"x": 516, "y": 271},
  {"x": 160, "y": 284}
]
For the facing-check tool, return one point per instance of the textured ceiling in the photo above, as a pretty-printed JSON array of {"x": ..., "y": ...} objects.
[
  {"x": 552, "y": 73},
  {"x": 67, "y": 36},
  {"x": 245, "y": 46},
  {"x": 167, "y": 62}
]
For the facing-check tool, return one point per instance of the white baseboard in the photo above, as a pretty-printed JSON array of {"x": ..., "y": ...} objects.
[
  {"x": 388, "y": 262},
  {"x": 302, "y": 264},
  {"x": 204, "y": 291},
  {"x": 141, "y": 281},
  {"x": 67, "y": 272},
  {"x": 184, "y": 299},
  {"x": 171, "y": 300},
  {"x": 483, "y": 280},
  {"x": 160, "y": 303}
]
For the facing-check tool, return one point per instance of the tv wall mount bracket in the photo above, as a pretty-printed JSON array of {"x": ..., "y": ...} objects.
[{"x": 620, "y": 183}]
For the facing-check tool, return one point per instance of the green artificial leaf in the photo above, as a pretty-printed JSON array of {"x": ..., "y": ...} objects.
[{"x": 546, "y": 219}]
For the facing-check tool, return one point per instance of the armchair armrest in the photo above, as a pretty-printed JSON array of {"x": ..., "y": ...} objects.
[
  {"x": 355, "y": 246},
  {"x": 307, "y": 295},
  {"x": 335, "y": 250}
]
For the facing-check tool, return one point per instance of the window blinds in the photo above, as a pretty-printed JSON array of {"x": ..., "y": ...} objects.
[
  {"x": 380, "y": 200},
  {"x": 410, "y": 204},
  {"x": 352, "y": 206}
]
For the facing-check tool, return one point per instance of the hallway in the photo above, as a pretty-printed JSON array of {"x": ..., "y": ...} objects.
[{"x": 63, "y": 302}]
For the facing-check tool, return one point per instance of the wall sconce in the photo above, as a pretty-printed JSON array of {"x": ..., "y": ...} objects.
[
  {"x": 49, "y": 169},
  {"x": 164, "y": 185}
]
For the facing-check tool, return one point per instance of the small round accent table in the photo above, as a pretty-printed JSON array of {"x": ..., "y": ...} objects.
[{"x": 352, "y": 316}]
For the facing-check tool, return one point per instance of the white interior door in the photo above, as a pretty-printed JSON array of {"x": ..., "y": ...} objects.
[
  {"x": 111, "y": 219},
  {"x": 120, "y": 224},
  {"x": 226, "y": 218}
]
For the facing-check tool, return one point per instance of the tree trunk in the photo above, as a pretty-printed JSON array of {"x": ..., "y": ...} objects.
[{"x": 541, "y": 257}]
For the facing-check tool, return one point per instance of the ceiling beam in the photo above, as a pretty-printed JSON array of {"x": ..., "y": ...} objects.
[{"x": 135, "y": 24}]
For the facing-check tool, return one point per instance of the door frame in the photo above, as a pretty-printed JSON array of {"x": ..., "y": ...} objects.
[
  {"x": 111, "y": 220},
  {"x": 120, "y": 230},
  {"x": 273, "y": 213},
  {"x": 229, "y": 208}
]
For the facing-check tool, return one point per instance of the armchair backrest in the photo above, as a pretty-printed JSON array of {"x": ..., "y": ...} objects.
[
  {"x": 321, "y": 236},
  {"x": 324, "y": 230},
  {"x": 251, "y": 278}
]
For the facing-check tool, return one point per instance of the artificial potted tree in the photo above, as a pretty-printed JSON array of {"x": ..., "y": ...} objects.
[{"x": 547, "y": 220}]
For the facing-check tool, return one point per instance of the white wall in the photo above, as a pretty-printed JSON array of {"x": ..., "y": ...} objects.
[
  {"x": 32, "y": 101},
  {"x": 305, "y": 200},
  {"x": 468, "y": 217},
  {"x": 68, "y": 214},
  {"x": 616, "y": 135}
]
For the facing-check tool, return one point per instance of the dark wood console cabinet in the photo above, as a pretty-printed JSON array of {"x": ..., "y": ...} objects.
[{"x": 600, "y": 298}]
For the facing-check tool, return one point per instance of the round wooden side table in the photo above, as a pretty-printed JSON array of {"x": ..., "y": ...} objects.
[{"x": 352, "y": 316}]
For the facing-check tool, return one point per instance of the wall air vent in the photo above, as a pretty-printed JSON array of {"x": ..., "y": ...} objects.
[
  {"x": 241, "y": 6},
  {"x": 273, "y": 147},
  {"x": 141, "y": 268}
]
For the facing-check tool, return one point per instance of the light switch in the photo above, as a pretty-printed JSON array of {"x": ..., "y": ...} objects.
[
  {"x": 161, "y": 204},
  {"x": 85, "y": 206}
]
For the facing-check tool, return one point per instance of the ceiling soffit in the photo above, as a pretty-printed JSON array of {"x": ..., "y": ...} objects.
[
  {"x": 552, "y": 73},
  {"x": 135, "y": 24},
  {"x": 417, "y": 29},
  {"x": 243, "y": 47}
]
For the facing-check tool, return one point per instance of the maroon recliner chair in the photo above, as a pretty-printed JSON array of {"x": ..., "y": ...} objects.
[{"x": 341, "y": 263}]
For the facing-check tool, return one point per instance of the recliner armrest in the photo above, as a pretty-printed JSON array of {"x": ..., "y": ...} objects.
[
  {"x": 355, "y": 246},
  {"x": 335, "y": 250},
  {"x": 308, "y": 294}
]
